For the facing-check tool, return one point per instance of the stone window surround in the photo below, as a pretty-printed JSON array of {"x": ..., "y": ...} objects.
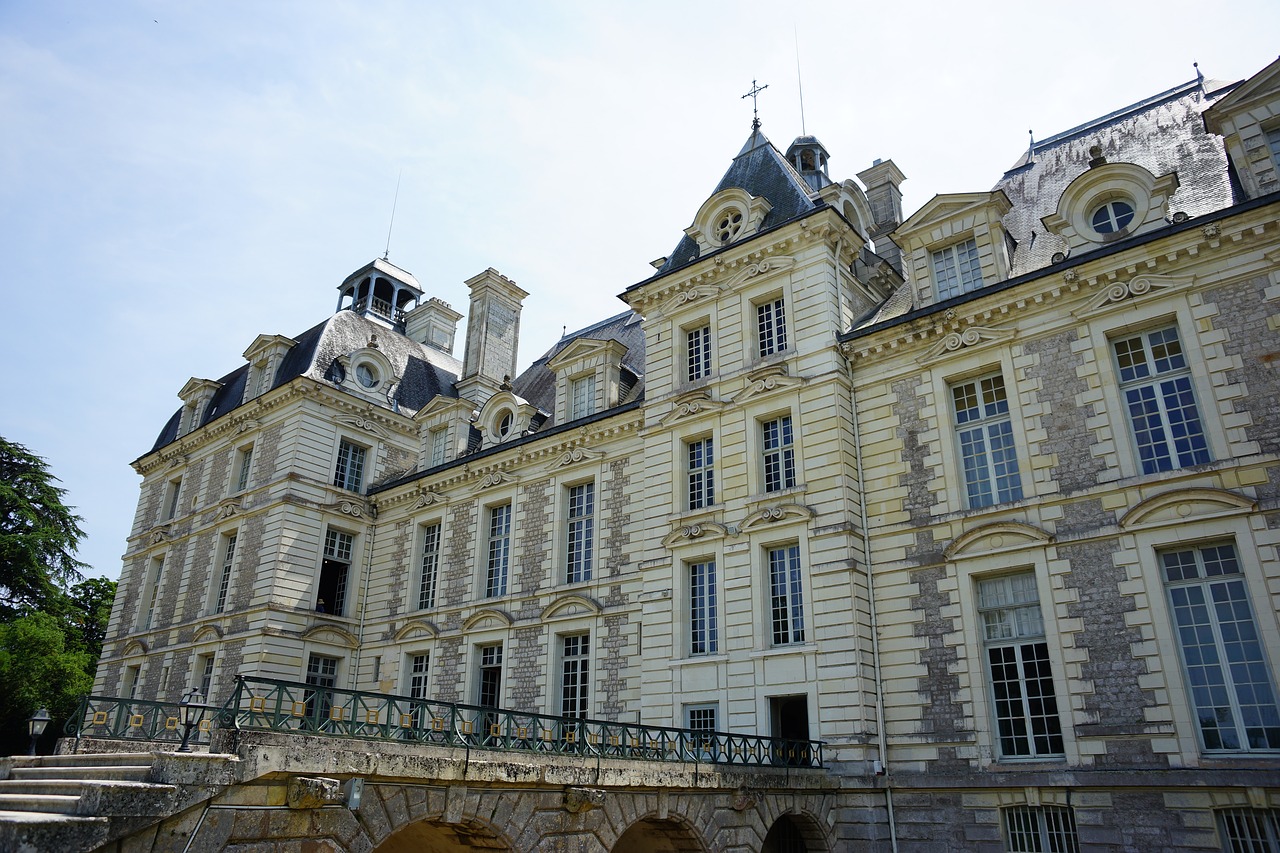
[
  {"x": 420, "y": 525},
  {"x": 1124, "y": 461},
  {"x": 480, "y": 545},
  {"x": 967, "y": 570},
  {"x": 756, "y": 417},
  {"x": 560, "y": 520},
  {"x": 784, "y": 537},
  {"x": 367, "y": 473},
  {"x": 683, "y": 365},
  {"x": 983, "y": 422}
]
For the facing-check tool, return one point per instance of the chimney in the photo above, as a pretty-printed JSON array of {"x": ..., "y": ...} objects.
[
  {"x": 882, "y": 181},
  {"x": 493, "y": 334},
  {"x": 433, "y": 323}
]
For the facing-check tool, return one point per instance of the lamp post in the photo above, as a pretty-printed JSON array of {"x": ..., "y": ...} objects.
[
  {"x": 192, "y": 705},
  {"x": 36, "y": 724}
]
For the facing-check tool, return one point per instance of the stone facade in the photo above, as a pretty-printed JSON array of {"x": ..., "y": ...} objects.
[{"x": 938, "y": 491}]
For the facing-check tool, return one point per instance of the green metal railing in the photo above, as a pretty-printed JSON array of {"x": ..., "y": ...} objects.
[
  {"x": 113, "y": 718},
  {"x": 267, "y": 704}
]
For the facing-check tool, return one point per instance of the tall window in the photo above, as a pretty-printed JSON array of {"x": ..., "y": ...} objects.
[
  {"x": 1040, "y": 829},
  {"x": 495, "y": 582},
  {"x": 704, "y": 632},
  {"x": 151, "y": 593},
  {"x": 986, "y": 441},
  {"x": 331, "y": 597},
  {"x": 1156, "y": 383},
  {"x": 349, "y": 473},
  {"x": 1018, "y": 664},
  {"x": 582, "y": 507},
  {"x": 430, "y": 566},
  {"x": 439, "y": 446},
  {"x": 702, "y": 478},
  {"x": 224, "y": 577},
  {"x": 771, "y": 326},
  {"x": 205, "y": 670},
  {"x": 698, "y": 352},
  {"x": 244, "y": 465},
  {"x": 1250, "y": 830},
  {"x": 779, "y": 454},
  {"x": 174, "y": 495},
  {"x": 129, "y": 688},
  {"x": 786, "y": 595},
  {"x": 575, "y": 675},
  {"x": 956, "y": 269},
  {"x": 1231, "y": 684},
  {"x": 489, "y": 691},
  {"x": 322, "y": 675},
  {"x": 418, "y": 666},
  {"x": 582, "y": 396}
]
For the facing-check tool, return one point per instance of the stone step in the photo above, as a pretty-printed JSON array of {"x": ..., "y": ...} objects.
[
  {"x": 47, "y": 803},
  {"x": 108, "y": 773},
  {"x": 88, "y": 759},
  {"x": 98, "y": 798},
  {"x": 30, "y": 832}
]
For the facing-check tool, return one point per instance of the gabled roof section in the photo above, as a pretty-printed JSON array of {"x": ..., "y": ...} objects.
[
  {"x": 762, "y": 171},
  {"x": 1264, "y": 84},
  {"x": 538, "y": 383},
  {"x": 943, "y": 207}
]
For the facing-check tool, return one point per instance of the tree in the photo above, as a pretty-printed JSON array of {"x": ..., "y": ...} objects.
[
  {"x": 38, "y": 670},
  {"x": 38, "y": 532}
]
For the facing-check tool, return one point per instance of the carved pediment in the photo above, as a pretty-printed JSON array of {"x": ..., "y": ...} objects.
[
  {"x": 427, "y": 498},
  {"x": 574, "y": 456},
  {"x": 1183, "y": 505},
  {"x": 490, "y": 617},
  {"x": 966, "y": 338},
  {"x": 208, "y": 633},
  {"x": 1138, "y": 287},
  {"x": 135, "y": 647},
  {"x": 766, "y": 266},
  {"x": 690, "y": 405},
  {"x": 767, "y": 380},
  {"x": 247, "y": 424},
  {"x": 158, "y": 535},
  {"x": 353, "y": 508},
  {"x": 997, "y": 536},
  {"x": 418, "y": 629},
  {"x": 692, "y": 294},
  {"x": 702, "y": 531},
  {"x": 774, "y": 514},
  {"x": 569, "y": 606},
  {"x": 334, "y": 635},
  {"x": 229, "y": 507},
  {"x": 495, "y": 478},
  {"x": 362, "y": 423}
]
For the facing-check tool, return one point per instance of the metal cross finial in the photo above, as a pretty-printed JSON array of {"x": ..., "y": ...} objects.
[{"x": 755, "y": 114}]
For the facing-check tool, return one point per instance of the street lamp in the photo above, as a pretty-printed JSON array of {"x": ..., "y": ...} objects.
[
  {"x": 36, "y": 724},
  {"x": 192, "y": 705}
]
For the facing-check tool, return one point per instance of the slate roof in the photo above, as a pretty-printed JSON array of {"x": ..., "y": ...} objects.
[
  {"x": 762, "y": 171},
  {"x": 538, "y": 383},
  {"x": 1163, "y": 133},
  {"x": 425, "y": 372}
]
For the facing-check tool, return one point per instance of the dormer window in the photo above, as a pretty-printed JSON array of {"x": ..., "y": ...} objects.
[
  {"x": 956, "y": 268},
  {"x": 367, "y": 375},
  {"x": 582, "y": 396},
  {"x": 1112, "y": 216},
  {"x": 504, "y": 425},
  {"x": 729, "y": 225}
]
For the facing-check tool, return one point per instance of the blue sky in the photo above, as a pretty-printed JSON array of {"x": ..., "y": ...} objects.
[{"x": 177, "y": 178}]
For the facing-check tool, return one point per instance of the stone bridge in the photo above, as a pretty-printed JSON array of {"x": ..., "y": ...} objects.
[{"x": 278, "y": 791}]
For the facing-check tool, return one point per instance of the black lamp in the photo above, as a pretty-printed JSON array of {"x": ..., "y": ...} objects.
[
  {"x": 36, "y": 724},
  {"x": 192, "y": 705}
]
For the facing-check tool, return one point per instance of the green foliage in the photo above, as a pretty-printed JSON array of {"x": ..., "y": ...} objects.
[
  {"x": 38, "y": 532},
  {"x": 37, "y": 669}
]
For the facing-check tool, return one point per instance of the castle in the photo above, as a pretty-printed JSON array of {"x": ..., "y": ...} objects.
[{"x": 986, "y": 499}]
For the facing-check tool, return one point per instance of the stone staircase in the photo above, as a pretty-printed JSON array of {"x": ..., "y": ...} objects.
[{"x": 75, "y": 803}]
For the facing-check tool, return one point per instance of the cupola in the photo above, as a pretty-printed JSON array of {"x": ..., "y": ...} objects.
[
  {"x": 808, "y": 156},
  {"x": 381, "y": 291}
]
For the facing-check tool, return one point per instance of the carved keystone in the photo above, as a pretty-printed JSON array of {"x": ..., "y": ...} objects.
[
  {"x": 744, "y": 799},
  {"x": 579, "y": 800},
  {"x": 307, "y": 792}
]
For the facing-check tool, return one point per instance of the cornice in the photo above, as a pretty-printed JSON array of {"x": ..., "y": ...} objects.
[{"x": 722, "y": 270}]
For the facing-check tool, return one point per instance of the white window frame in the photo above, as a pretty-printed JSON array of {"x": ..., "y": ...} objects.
[
  {"x": 497, "y": 559},
  {"x": 173, "y": 496},
  {"x": 351, "y": 465},
  {"x": 574, "y": 654},
  {"x": 771, "y": 325},
  {"x": 1216, "y": 568},
  {"x": 785, "y": 581},
  {"x": 704, "y": 606},
  {"x": 582, "y": 396},
  {"x": 580, "y": 517},
  {"x": 222, "y": 587},
  {"x": 1011, "y": 622},
  {"x": 151, "y": 592},
  {"x": 430, "y": 538},
  {"x": 697, "y": 350},
  {"x": 1032, "y": 829},
  {"x": 1248, "y": 830},
  {"x": 700, "y": 476},
  {"x": 439, "y": 446},
  {"x": 339, "y": 547},
  {"x": 985, "y": 440},
  {"x": 244, "y": 467},
  {"x": 956, "y": 268},
  {"x": 1177, "y": 380},
  {"x": 778, "y": 453}
]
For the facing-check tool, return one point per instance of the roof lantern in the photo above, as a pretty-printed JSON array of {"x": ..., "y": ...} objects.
[{"x": 380, "y": 291}]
